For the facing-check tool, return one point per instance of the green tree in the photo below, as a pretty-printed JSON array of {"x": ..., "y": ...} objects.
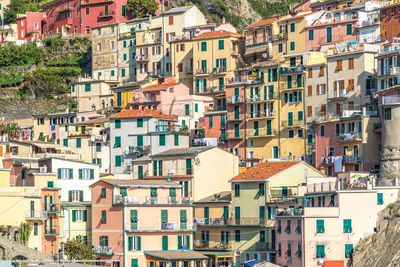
[
  {"x": 142, "y": 8},
  {"x": 43, "y": 83},
  {"x": 76, "y": 249},
  {"x": 19, "y": 7}
]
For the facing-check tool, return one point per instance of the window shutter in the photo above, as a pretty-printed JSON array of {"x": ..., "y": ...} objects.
[
  {"x": 335, "y": 86},
  {"x": 310, "y": 90},
  {"x": 74, "y": 215},
  {"x": 84, "y": 215},
  {"x": 179, "y": 242},
  {"x": 80, "y": 173},
  {"x": 139, "y": 243},
  {"x": 130, "y": 243},
  {"x": 91, "y": 174},
  {"x": 59, "y": 173},
  {"x": 81, "y": 196},
  {"x": 71, "y": 173},
  {"x": 69, "y": 197},
  {"x": 188, "y": 242}
]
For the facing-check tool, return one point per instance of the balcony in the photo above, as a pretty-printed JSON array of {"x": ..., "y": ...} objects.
[
  {"x": 52, "y": 231},
  {"x": 292, "y": 123},
  {"x": 260, "y": 115},
  {"x": 258, "y": 40},
  {"x": 352, "y": 159},
  {"x": 230, "y": 221},
  {"x": 257, "y": 98},
  {"x": 265, "y": 246},
  {"x": 181, "y": 129},
  {"x": 321, "y": 187},
  {"x": 157, "y": 227},
  {"x": 209, "y": 90},
  {"x": 103, "y": 250},
  {"x": 290, "y": 212},
  {"x": 189, "y": 69},
  {"x": 241, "y": 80},
  {"x": 200, "y": 244},
  {"x": 148, "y": 200},
  {"x": 202, "y": 72},
  {"x": 106, "y": 15},
  {"x": 142, "y": 58},
  {"x": 234, "y": 53},
  {"x": 146, "y": 100},
  {"x": 293, "y": 86},
  {"x": 394, "y": 71},
  {"x": 35, "y": 215},
  {"x": 261, "y": 132},
  {"x": 391, "y": 100},
  {"x": 338, "y": 95},
  {"x": 232, "y": 117},
  {"x": 291, "y": 70},
  {"x": 280, "y": 36},
  {"x": 235, "y": 99},
  {"x": 54, "y": 208},
  {"x": 350, "y": 137},
  {"x": 220, "y": 71},
  {"x": 88, "y": 3},
  {"x": 138, "y": 151},
  {"x": 65, "y": 9},
  {"x": 154, "y": 73},
  {"x": 234, "y": 135}
]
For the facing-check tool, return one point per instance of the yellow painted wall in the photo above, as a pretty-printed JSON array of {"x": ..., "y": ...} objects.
[{"x": 4, "y": 177}]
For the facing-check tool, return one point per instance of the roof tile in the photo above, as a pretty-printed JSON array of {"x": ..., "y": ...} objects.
[
  {"x": 264, "y": 171},
  {"x": 136, "y": 113},
  {"x": 214, "y": 34},
  {"x": 262, "y": 22}
]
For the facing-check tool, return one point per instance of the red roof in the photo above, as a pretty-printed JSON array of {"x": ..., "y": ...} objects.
[
  {"x": 158, "y": 86},
  {"x": 215, "y": 34},
  {"x": 264, "y": 171},
  {"x": 339, "y": 263},
  {"x": 296, "y": 17},
  {"x": 262, "y": 22},
  {"x": 136, "y": 113}
]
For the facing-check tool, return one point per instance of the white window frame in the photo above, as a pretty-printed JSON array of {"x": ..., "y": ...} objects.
[
  {"x": 79, "y": 215},
  {"x": 64, "y": 175},
  {"x": 86, "y": 174},
  {"x": 75, "y": 195}
]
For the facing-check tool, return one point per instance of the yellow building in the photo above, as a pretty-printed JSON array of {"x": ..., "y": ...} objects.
[
  {"x": 4, "y": 177},
  {"x": 23, "y": 205},
  {"x": 41, "y": 127},
  {"x": 77, "y": 221},
  {"x": 215, "y": 58},
  {"x": 213, "y": 219},
  {"x": 254, "y": 203},
  {"x": 124, "y": 93}
]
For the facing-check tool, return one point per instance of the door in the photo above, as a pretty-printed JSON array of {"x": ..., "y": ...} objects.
[
  {"x": 256, "y": 129},
  {"x": 32, "y": 209},
  {"x": 290, "y": 118},
  {"x": 275, "y": 151},
  {"x": 236, "y": 92},
  {"x": 204, "y": 65},
  {"x": 237, "y": 215},
  {"x": 207, "y": 214},
  {"x": 134, "y": 263},
  {"x": 236, "y": 112},
  {"x": 289, "y": 81}
]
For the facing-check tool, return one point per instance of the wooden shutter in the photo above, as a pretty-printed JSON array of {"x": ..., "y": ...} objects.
[
  {"x": 318, "y": 89},
  {"x": 309, "y": 111},
  {"x": 351, "y": 85},
  {"x": 310, "y": 73},
  {"x": 351, "y": 63},
  {"x": 309, "y": 90},
  {"x": 323, "y": 108},
  {"x": 321, "y": 71},
  {"x": 335, "y": 86}
]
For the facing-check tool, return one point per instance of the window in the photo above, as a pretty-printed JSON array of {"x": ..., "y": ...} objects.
[
  {"x": 162, "y": 140},
  {"x": 311, "y": 35},
  {"x": 87, "y": 11},
  {"x": 380, "y": 198},
  {"x": 348, "y": 250},
  {"x": 237, "y": 235},
  {"x": 123, "y": 10},
  {"x": 320, "y": 251},
  {"x": 79, "y": 215},
  {"x": 329, "y": 34},
  {"x": 300, "y": 115},
  {"x": 64, "y": 173},
  {"x": 320, "y": 226},
  {"x": 117, "y": 161},
  {"x": 387, "y": 113},
  {"x": 134, "y": 244},
  {"x": 349, "y": 30},
  {"x": 176, "y": 140},
  {"x": 322, "y": 130},
  {"x": 139, "y": 123},
  {"x": 339, "y": 65},
  {"x": 210, "y": 121},
  {"x": 117, "y": 124},
  {"x": 139, "y": 140},
  {"x": 351, "y": 63},
  {"x": 103, "y": 216},
  {"x": 86, "y": 174},
  {"x": 280, "y": 48},
  {"x": 205, "y": 236},
  {"x": 35, "y": 228},
  {"x": 78, "y": 142},
  {"x": 237, "y": 190},
  {"x": 292, "y": 46},
  {"x": 124, "y": 57},
  {"x": 288, "y": 228},
  {"x": 87, "y": 87},
  {"x": 290, "y": 134},
  {"x": 171, "y": 20},
  {"x": 300, "y": 133},
  {"x": 347, "y": 226},
  {"x": 262, "y": 236},
  {"x": 103, "y": 241},
  {"x": 75, "y": 195},
  {"x": 117, "y": 141},
  {"x": 261, "y": 189},
  {"x": 203, "y": 46},
  {"x": 123, "y": 72},
  {"x": 292, "y": 27},
  {"x": 221, "y": 44},
  {"x": 103, "y": 193}
]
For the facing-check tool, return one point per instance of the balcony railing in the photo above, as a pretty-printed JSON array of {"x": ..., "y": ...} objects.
[
  {"x": 143, "y": 100},
  {"x": 230, "y": 221},
  {"x": 200, "y": 244},
  {"x": 156, "y": 226},
  {"x": 50, "y": 231},
  {"x": 391, "y": 99},
  {"x": 105, "y": 250},
  {"x": 220, "y": 70},
  {"x": 235, "y": 117},
  {"x": 338, "y": 94},
  {"x": 35, "y": 215},
  {"x": 321, "y": 187},
  {"x": 54, "y": 208},
  {"x": 258, "y": 40},
  {"x": 172, "y": 128},
  {"x": 352, "y": 159},
  {"x": 147, "y": 200},
  {"x": 292, "y": 70},
  {"x": 138, "y": 150},
  {"x": 293, "y": 123},
  {"x": 257, "y": 98},
  {"x": 109, "y": 14},
  {"x": 238, "y": 80},
  {"x": 235, "y": 99},
  {"x": 264, "y": 246},
  {"x": 261, "y": 132},
  {"x": 260, "y": 114},
  {"x": 290, "y": 212},
  {"x": 209, "y": 90},
  {"x": 350, "y": 137},
  {"x": 234, "y": 135},
  {"x": 189, "y": 69},
  {"x": 202, "y": 71},
  {"x": 142, "y": 58}
]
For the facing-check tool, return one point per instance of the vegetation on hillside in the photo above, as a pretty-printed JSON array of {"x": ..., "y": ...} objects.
[
  {"x": 142, "y": 8},
  {"x": 20, "y": 7},
  {"x": 271, "y": 9}
]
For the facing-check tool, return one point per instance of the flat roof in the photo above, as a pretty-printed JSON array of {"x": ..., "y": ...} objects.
[{"x": 177, "y": 255}]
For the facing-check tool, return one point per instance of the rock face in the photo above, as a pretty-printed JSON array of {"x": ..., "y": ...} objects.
[
  {"x": 383, "y": 247},
  {"x": 390, "y": 164}
]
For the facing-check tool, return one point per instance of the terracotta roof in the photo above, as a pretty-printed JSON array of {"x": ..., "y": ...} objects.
[
  {"x": 215, "y": 34},
  {"x": 136, "y": 113},
  {"x": 262, "y": 22},
  {"x": 295, "y": 17},
  {"x": 157, "y": 87},
  {"x": 264, "y": 171}
]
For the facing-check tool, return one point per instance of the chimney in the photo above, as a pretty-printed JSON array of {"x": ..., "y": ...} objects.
[{"x": 223, "y": 19}]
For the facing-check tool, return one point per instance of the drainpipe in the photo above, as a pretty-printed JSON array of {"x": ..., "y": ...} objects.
[
  {"x": 124, "y": 235},
  {"x": 304, "y": 117},
  {"x": 279, "y": 110}
]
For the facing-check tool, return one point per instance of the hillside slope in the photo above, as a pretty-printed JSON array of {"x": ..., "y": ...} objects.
[{"x": 383, "y": 247}]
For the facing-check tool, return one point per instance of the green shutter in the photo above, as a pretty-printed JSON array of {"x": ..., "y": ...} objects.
[
  {"x": 80, "y": 173},
  {"x": 348, "y": 250},
  {"x": 59, "y": 173},
  {"x": 65, "y": 142},
  {"x": 123, "y": 10},
  {"x": 130, "y": 243},
  {"x": 176, "y": 140},
  {"x": 226, "y": 212},
  {"x": 140, "y": 140},
  {"x": 123, "y": 191},
  {"x": 165, "y": 242},
  {"x": 78, "y": 142},
  {"x": 155, "y": 168},
  {"x": 69, "y": 199},
  {"x": 103, "y": 216},
  {"x": 74, "y": 215},
  {"x": 262, "y": 212},
  {"x": 320, "y": 251},
  {"x": 140, "y": 172},
  {"x": 134, "y": 263},
  {"x": 172, "y": 192},
  {"x": 134, "y": 220},
  {"x": 84, "y": 215},
  {"x": 91, "y": 174},
  {"x": 164, "y": 216},
  {"x": 320, "y": 226},
  {"x": 188, "y": 242},
  {"x": 221, "y": 44},
  {"x": 118, "y": 161},
  {"x": 81, "y": 195},
  {"x": 139, "y": 123},
  {"x": 139, "y": 243},
  {"x": 117, "y": 124},
  {"x": 183, "y": 219},
  {"x": 380, "y": 198},
  {"x": 347, "y": 226},
  {"x": 162, "y": 139},
  {"x": 179, "y": 242},
  {"x": 103, "y": 193}
]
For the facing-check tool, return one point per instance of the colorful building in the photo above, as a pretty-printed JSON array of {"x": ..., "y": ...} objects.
[
  {"x": 389, "y": 22},
  {"x": 30, "y": 26},
  {"x": 143, "y": 223}
]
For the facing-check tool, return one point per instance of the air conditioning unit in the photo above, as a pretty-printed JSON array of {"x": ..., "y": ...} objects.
[{"x": 43, "y": 169}]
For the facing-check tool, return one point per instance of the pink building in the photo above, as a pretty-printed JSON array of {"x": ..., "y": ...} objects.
[
  {"x": 78, "y": 17},
  {"x": 159, "y": 96},
  {"x": 30, "y": 25},
  {"x": 143, "y": 223}
]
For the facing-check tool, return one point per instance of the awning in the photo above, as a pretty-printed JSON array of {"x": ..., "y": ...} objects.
[
  {"x": 250, "y": 51},
  {"x": 216, "y": 253},
  {"x": 176, "y": 255},
  {"x": 251, "y": 263}
]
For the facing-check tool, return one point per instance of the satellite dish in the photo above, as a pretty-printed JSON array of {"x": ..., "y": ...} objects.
[{"x": 197, "y": 161}]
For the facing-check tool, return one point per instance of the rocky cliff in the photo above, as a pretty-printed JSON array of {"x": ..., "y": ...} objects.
[{"x": 383, "y": 247}]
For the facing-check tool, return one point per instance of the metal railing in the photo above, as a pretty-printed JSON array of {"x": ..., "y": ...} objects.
[
  {"x": 235, "y": 99},
  {"x": 264, "y": 246},
  {"x": 232, "y": 134},
  {"x": 290, "y": 212},
  {"x": 138, "y": 100},
  {"x": 35, "y": 214},
  {"x": 350, "y": 137},
  {"x": 106, "y": 14},
  {"x": 156, "y": 226},
  {"x": 258, "y": 40},
  {"x": 321, "y": 187},
  {"x": 337, "y": 94},
  {"x": 202, "y": 71},
  {"x": 103, "y": 250},
  {"x": 260, "y": 114},
  {"x": 201, "y": 244},
  {"x": 172, "y": 128},
  {"x": 354, "y": 158},
  {"x": 293, "y": 123},
  {"x": 219, "y": 70},
  {"x": 235, "y": 117},
  {"x": 292, "y": 70},
  {"x": 142, "y": 58},
  {"x": 147, "y": 200},
  {"x": 230, "y": 221},
  {"x": 261, "y": 132},
  {"x": 54, "y": 230},
  {"x": 391, "y": 99}
]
